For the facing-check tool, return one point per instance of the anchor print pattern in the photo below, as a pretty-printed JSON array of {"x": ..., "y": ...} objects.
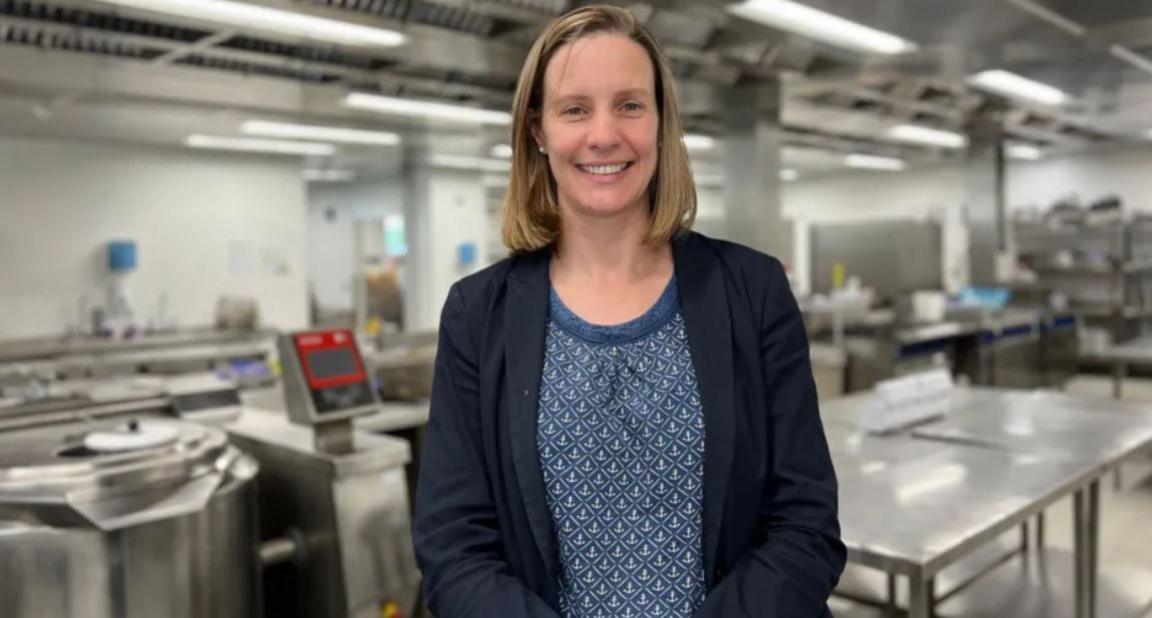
[{"x": 621, "y": 442}]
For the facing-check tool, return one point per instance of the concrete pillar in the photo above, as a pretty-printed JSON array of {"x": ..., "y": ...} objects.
[
  {"x": 752, "y": 142},
  {"x": 446, "y": 226},
  {"x": 984, "y": 177}
]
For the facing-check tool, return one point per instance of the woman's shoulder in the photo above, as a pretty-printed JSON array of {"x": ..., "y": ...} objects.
[
  {"x": 733, "y": 255},
  {"x": 481, "y": 287}
]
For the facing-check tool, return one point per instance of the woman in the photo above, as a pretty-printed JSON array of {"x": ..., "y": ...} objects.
[{"x": 623, "y": 421}]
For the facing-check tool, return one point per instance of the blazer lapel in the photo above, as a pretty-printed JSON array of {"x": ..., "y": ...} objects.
[
  {"x": 704, "y": 304},
  {"x": 525, "y": 322}
]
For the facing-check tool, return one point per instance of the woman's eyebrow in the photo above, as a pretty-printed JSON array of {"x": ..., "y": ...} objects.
[{"x": 583, "y": 98}]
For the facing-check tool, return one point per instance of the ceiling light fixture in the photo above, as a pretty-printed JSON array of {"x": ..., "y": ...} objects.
[
  {"x": 927, "y": 135},
  {"x": 265, "y": 128},
  {"x": 1012, "y": 85},
  {"x": 699, "y": 142},
  {"x": 872, "y": 162},
  {"x": 425, "y": 109},
  {"x": 469, "y": 163},
  {"x": 316, "y": 175},
  {"x": 252, "y": 144},
  {"x": 1023, "y": 152},
  {"x": 252, "y": 16},
  {"x": 825, "y": 27},
  {"x": 501, "y": 151}
]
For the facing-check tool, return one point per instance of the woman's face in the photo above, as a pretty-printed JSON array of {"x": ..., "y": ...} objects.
[{"x": 599, "y": 125}]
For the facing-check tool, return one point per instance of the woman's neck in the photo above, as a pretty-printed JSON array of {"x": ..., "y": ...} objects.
[{"x": 608, "y": 251}]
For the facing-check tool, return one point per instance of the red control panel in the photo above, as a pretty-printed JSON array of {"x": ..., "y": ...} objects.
[{"x": 329, "y": 359}]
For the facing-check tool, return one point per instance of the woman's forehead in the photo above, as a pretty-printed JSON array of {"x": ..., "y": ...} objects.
[{"x": 599, "y": 64}]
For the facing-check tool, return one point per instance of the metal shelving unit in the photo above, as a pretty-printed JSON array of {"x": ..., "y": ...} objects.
[{"x": 1104, "y": 270}]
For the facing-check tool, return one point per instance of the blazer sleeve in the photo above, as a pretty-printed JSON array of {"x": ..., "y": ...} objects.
[
  {"x": 795, "y": 569},
  {"x": 456, "y": 529}
]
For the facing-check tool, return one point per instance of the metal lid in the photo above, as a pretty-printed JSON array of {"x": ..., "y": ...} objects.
[{"x": 93, "y": 460}]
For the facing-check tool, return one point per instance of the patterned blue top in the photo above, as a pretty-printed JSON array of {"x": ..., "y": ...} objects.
[{"x": 621, "y": 442}]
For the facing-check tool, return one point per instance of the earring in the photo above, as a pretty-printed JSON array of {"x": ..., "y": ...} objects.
[{"x": 542, "y": 151}]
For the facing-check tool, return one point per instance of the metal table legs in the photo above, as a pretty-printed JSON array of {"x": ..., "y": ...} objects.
[
  {"x": 921, "y": 595},
  {"x": 1086, "y": 513}
]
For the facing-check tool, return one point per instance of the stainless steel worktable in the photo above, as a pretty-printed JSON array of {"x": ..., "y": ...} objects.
[
  {"x": 913, "y": 507},
  {"x": 53, "y": 347},
  {"x": 1098, "y": 434},
  {"x": 1050, "y": 424},
  {"x": 998, "y": 458}
]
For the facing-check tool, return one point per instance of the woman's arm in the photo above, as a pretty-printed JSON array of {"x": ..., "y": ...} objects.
[
  {"x": 795, "y": 569},
  {"x": 456, "y": 530}
]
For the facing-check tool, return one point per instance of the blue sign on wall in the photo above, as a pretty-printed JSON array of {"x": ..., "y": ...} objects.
[
  {"x": 121, "y": 255},
  {"x": 466, "y": 254}
]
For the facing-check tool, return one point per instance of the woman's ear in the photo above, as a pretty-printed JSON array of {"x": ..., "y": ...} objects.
[{"x": 538, "y": 136}]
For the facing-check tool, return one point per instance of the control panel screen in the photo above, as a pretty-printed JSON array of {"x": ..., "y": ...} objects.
[{"x": 332, "y": 363}]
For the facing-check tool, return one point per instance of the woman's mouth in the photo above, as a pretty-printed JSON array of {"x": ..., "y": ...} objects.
[{"x": 607, "y": 169}]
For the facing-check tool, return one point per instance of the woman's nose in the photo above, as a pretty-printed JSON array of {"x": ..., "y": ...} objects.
[{"x": 605, "y": 132}]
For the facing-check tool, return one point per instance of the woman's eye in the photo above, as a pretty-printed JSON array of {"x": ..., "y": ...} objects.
[
  {"x": 632, "y": 107},
  {"x": 573, "y": 111}
]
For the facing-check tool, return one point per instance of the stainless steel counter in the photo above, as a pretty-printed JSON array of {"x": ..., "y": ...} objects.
[
  {"x": 914, "y": 503},
  {"x": 1047, "y": 424},
  {"x": 49, "y": 347}
]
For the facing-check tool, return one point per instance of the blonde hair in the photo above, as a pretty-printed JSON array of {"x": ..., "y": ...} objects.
[{"x": 531, "y": 213}]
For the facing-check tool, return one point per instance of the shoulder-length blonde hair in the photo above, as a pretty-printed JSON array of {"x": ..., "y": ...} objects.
[{"x": 531, "y": 213}]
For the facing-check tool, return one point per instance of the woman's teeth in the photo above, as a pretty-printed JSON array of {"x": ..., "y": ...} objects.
[{"x": 604, "y": 169}]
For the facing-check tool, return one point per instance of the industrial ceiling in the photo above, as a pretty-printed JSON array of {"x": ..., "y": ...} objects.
[{"x": 96, "y": 69}]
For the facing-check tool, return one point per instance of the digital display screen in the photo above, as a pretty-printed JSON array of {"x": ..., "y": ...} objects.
[{"x": 331, "y": 363}]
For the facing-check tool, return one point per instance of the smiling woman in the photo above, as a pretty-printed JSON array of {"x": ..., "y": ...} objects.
[
  {"x": 623, "y": 418},
  {"x": 596, "y": 91}
]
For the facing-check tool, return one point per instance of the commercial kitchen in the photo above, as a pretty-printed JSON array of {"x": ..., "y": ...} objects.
[{"x": 228, "y": 227}]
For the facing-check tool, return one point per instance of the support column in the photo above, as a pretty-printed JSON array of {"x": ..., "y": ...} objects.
[
  {"x": 987, "y": 225},
  {"x": 753, "y": 208},
  {"x": 445, "y": 224}
]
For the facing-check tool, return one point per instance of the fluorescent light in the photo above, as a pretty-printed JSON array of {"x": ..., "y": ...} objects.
[
  {"x": 501, "y": 151},
  {"x": 1012, "y": 85},
  {"x": 251, "y": 16},
  {"x": 871, "y": 162},
  {"x": 927, "y": 135},
  {"x": 705, "y": 179},
  {"x": 332, "y": 134},
  {"x": 469, "y": 163},
  {"x": 252, "y": 144},
  {"x": 788, "y": 175},
  {"x": 699, "y": 142},
  {"x": 313, "y": 175},
  {"x": 425, "y": 109},
  {"x": 1024, "y": 152},
  {"x": 826, "y": 27}
]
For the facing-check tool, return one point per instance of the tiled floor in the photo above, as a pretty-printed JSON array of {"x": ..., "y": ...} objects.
[{"x": 1039, "y": 585}]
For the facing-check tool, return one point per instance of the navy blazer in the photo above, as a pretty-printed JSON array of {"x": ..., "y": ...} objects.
[{"x": 483, "y": 532}]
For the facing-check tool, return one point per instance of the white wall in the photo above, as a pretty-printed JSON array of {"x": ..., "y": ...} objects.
[
  {"x": 1126, "y": 172},
  {"x": 61, "y": 201},
  {"x": 331, "y": 239}
]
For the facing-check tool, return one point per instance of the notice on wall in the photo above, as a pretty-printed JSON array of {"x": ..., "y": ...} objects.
[{"x": 247, "y": 257}]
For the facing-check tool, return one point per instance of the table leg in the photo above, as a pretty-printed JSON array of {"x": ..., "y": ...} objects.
[
  {"x": 1024, "y": 536},
  {"x": 1040, "y": 531},
  {"x": 1080, "y": 554},
  {"x": 1119, "y": 372},
  {"x": 921, "y": 595},
  {"x": 1093, "y": 570},
  {"x": 891, "y": 610}
]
